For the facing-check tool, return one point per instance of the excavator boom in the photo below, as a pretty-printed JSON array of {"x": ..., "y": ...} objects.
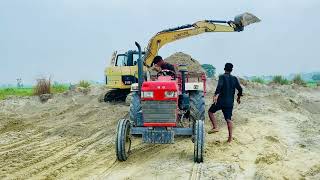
[{"x": 173, "y": 34}]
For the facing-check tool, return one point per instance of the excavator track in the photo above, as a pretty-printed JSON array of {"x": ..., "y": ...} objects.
[{"x": 114, "y": 95}]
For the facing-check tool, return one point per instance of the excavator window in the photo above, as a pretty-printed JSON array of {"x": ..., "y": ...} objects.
[
  {"x": 122, "y": 60},
  {"x": 135, "y": 58},
  {"x": 128, "y": 59}
]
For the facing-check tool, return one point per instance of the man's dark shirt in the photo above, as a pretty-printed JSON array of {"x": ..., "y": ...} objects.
[
  {"x": 226, "y": 89},
  {"x": 167, "y": 66}
]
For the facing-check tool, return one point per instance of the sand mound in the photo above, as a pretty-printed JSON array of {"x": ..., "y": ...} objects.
[{"x": 182, "y": 58}]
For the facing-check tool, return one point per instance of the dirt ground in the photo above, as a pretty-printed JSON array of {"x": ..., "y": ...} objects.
[{"x": 276, "y": 136}]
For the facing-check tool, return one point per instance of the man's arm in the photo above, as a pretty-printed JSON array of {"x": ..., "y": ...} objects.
[
  {"x": 219, "y": 86},
  {"x": 156, "y": 68},
  {"x": 218, "y": 90},
  {"x": 239, "y": 88},
  {"x": 171, "y": 67}
]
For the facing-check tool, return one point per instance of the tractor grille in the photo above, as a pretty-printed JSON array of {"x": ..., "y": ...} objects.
[{"x": 159, "y": 111}]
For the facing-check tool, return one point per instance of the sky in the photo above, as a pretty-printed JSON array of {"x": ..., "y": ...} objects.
[{"x": 72, "y": 40}]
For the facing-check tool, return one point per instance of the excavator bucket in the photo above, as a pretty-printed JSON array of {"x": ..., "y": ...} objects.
[{"x": 246, "y": 19}]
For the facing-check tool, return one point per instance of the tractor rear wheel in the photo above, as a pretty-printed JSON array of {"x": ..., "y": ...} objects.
[
  {"x": 197, "y": 106},
  {"x": 123, "y": 140},
  {"x": 135, "y": 108},
  {"x": 199, "y": 141}
]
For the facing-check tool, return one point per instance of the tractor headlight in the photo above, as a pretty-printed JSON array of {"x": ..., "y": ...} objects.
[
  {"x": 134, "y": 87},
  {"x": 170, "y": 94},
  {"x": 147, "y": 94}
]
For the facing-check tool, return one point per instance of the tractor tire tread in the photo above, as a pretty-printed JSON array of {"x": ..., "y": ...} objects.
[
  {"x": 135, "y": 108},
  {"x": 197, "y": 105}
]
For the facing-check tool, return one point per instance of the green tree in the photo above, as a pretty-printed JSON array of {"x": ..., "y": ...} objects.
[
  {"x": 210, "y": 70},
  {"x": 316, "y": 77}
]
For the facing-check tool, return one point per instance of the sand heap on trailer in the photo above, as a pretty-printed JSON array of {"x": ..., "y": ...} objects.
[{"x": 182, "y": 58}]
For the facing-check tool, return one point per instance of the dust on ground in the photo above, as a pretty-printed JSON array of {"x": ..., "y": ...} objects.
[{"x": 71, "y": 136}]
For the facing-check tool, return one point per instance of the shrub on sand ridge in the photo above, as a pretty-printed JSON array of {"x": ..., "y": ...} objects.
[
  {"x": 84, "y": 84},
  {"x": 280, "y": 80},
  {"x": 258, "y": 80},
  {"x": 43, "y": 86},
  {"x": 298, "y": 80}
]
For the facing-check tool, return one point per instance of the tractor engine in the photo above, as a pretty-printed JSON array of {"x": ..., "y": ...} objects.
[{"x": 159, "y": 101}]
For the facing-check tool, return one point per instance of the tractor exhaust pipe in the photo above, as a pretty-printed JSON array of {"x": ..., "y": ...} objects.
[
  {"x": 140, "y": 68},
  {"x": 183, "y": 70},
  {"x": 183, "y": 102}
]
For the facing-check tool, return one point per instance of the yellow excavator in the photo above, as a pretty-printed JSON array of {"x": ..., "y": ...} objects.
[{"x": 123, "y": 70}]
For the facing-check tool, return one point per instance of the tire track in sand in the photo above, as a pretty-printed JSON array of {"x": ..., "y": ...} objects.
[
  {"x": 196, "y": 171},
  {"x": 59, "y": 157}
]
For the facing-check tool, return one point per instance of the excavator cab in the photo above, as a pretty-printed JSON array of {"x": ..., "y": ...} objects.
[
  {"x": 127, "y": 59},
  {"x": 121, "y": 74}
]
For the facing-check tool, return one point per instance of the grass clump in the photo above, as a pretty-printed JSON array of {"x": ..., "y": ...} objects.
[
  {"x": 280, "y": 80},
  {"x": 298, "y": 80},
  {"x": 84, "y": 84},
  {"x": 43, "y": 86},
  {"x": 258, "y": 80},
  {"x": 59, "y": 88}
]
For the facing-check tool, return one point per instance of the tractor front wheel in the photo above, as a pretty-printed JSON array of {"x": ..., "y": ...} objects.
[
  {"x": 123, "y": 140},
  {"x": 135, "y": 108},
  {"x": 199, "y": 141}
]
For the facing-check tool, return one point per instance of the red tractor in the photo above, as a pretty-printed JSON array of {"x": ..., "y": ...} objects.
[{"x": 172, "y": 105}]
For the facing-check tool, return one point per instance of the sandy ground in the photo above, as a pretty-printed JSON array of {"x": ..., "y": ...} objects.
[{"x": 276, "y": 136}]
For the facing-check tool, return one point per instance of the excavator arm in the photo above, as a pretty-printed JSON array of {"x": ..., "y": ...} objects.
[{"x": 169, "y": 35}]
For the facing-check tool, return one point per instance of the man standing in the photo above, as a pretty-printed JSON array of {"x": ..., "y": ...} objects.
[{"x": 224, "y": 98}]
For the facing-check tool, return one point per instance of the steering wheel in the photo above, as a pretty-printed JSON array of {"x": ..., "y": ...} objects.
[{"x": 166, "y": 72}]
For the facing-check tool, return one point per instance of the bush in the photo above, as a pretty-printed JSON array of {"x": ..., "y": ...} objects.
[
  {"x": 298, "y": 80},
  {"x": 316, "y": 77},
  {"x": 280, "y": 80},
  {"x": 84, "y": 84},
  {"x": 311, "y": 84},
  {"x": 210, "y": 70},
  {"x": 258, "y": 80},
  {"x": 43, "y": 86}
]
